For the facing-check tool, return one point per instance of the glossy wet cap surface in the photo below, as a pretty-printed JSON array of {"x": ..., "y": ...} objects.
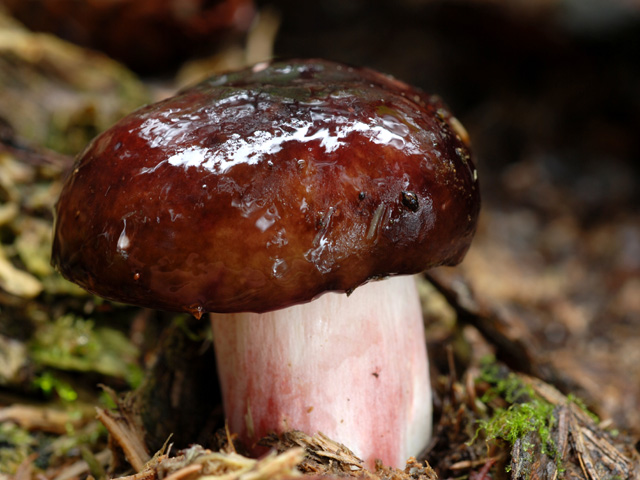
[{"x": 260, "y": 189}]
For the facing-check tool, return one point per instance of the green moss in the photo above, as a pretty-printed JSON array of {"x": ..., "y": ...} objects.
[
  {"x": 525, "y": 414},
  {"x": 15, "y": 446},
  {"x": 519, "y": 420},
  {"x": 48, "y": 384},
  {"x": 75, "y": 344},
  {"x": 503, "y": 384}
]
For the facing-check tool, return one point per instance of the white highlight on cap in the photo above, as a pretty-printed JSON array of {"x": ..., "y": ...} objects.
[{"x": 174, "y": 133}]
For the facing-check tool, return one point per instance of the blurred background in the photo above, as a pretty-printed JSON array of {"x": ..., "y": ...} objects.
[{"x": 549, "y": 91}]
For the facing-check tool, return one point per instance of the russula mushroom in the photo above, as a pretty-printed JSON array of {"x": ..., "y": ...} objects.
[{"x": 280, "y": 198}]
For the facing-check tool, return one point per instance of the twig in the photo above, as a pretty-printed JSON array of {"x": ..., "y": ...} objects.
[
  {"x": 128, "y": 437},
  {"x": 38, "y": 418}
]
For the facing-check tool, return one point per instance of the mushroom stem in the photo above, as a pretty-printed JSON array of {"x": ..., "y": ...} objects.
[{"x": 352, "y": 367}]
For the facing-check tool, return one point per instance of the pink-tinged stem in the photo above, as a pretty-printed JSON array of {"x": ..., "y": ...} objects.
[{"x": 354, "y": 368}]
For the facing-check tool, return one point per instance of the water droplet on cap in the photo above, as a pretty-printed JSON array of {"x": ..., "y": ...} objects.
[
  {"x": 196, "y": 310},
  {"x": 279, "y": 268}
]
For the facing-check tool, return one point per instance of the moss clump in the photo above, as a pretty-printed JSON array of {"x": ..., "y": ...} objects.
[
  {"x": 519, "y": 420},
  {"x": 49, "y": 384},
  {"x": 518, "y": 413},
  {"x": 75, "y": 344}
]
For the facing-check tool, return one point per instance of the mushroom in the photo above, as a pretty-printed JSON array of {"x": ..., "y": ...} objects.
[{"x": 295, "y": 201}]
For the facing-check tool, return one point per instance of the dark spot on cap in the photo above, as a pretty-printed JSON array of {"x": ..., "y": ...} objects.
[{"x": 410, "y": 200}]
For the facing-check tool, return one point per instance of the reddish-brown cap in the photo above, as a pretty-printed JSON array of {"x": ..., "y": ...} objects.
[{"x": 260, "y": 189}]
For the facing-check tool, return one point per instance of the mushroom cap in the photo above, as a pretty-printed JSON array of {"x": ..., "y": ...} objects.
[{"x": 264, "y": 188}]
